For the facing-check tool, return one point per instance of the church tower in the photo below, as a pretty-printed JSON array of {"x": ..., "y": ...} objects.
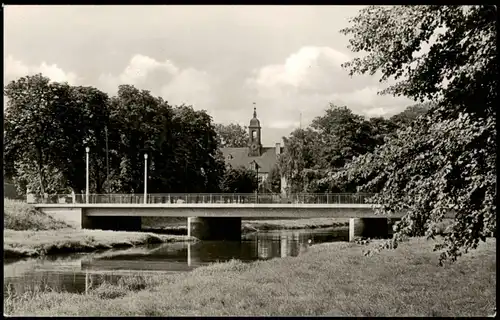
[{"x": 254, "y": 144}]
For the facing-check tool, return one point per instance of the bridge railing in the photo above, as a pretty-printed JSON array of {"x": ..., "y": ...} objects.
[{"x": 263, "y": 198}]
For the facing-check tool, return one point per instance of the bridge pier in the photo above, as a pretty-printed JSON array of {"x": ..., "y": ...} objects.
[
  {"x": 215, "y": 228},
  {"x": 368, "y": 228}
]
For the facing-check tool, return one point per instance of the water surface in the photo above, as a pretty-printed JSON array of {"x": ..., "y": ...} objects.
[{"x": 68, "y": 272}]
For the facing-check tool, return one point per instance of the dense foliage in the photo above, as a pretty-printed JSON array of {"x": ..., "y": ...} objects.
[
  {"x": 232, "y": 135},
  {"x": 239, "y": 180},
  {"x": 273, "y": 182},
  {"x": 48, "y": 125},
  {"x": 332, "y": 141},
  {"x": 446, "y": 159}
]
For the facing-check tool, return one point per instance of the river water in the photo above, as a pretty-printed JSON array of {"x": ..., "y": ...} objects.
[{"x": 69, "y": 272}]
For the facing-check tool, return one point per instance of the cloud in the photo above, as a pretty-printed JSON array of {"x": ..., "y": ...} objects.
[
  {"x": 305, "y": 69},
  {"x": 176, "y": 85},
  {"x": 15, "y": 69},
  {"x": 137, "y": 72},
  {"x": 304, "y": 84}
]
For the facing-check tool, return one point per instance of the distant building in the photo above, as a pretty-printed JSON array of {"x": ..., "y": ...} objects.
[{"x": 265, "y": 157}]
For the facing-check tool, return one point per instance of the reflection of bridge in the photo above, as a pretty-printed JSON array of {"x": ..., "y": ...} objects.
[
  {"x": 76, "y": 273},
  {"x": 214, "y": 216}
]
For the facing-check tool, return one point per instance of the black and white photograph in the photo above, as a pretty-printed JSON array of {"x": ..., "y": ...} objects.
[{"x": 250, "y": 160}]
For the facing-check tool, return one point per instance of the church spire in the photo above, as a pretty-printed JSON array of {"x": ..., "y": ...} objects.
[{"x": 254, "y": 135}]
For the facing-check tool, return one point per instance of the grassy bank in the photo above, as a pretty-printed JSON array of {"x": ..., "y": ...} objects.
[
  {"x": 19, "y": 215},
  {"x": 29, "y": 232},
  {"x": 329, "y": 279},
  {"x": 35, "y": 243}
]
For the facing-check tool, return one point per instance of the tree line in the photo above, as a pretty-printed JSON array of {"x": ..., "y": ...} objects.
[
  {"x": 48, "y": 126},
  {"x": 334, "y": 140}
]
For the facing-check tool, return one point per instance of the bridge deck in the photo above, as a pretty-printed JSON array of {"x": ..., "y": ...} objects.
[
  {"x": 203, "y": 205},
  {"x": 249, "y": 210}
]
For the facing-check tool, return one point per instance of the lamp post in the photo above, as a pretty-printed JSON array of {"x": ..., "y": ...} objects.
[
  {"x": 145, "y": 178},
  {"x": 87, "y": 150},
  {"x": 107, "y": 159},
  {"x": 257, "y": 173}
]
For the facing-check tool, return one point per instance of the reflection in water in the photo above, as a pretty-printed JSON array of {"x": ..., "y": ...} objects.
[{"x": 68, "y": 273}]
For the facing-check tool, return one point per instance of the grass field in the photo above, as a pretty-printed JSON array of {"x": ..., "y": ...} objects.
[{"x": 334, "y": 279}]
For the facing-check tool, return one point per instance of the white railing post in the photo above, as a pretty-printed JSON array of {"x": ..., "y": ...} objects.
[{"x": 87, "y": 149}]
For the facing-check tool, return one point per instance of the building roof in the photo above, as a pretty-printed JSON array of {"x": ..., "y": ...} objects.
[
  {"x": 239, "y": 157},
  {"x": 254, "y": 122}
]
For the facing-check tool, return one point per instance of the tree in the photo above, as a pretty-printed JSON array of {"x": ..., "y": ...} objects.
[
  {"x": 380, "y": 129},
  {"x": 48, "y": 126},
  {"x": 197, "y": 153},
  {"x": 411, "y": 113},
  {"x": 238, "y": 180},
  {"x": 232, "y": 135},
  {"x": 301, "y": 152},
  {"x": 343, "y": 135},
  {"x": 273, "y": 182},
  {"x": 33, "y": 130},
  {"x": 180, "y": 142},
  {"x": 446, "y": 159},
  {"x": 83, "y": 123}
]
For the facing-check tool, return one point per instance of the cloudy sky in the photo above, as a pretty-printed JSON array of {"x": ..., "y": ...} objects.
[{"x": 286, "y": 59}]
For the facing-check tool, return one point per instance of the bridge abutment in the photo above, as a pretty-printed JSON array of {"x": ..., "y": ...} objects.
[
  {"x": 368, "y": 228},
  {"x": 215, "y": 228}
]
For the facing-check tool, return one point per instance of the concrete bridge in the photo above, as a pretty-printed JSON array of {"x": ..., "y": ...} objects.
[{"x": 218, "y": 219}]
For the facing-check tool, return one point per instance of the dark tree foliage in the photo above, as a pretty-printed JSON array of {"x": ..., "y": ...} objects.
[
  {"x": 444, "y": 160},
  {"x": 273, "y": 182},
  {"x": 410, "y": 114},
  {"x": 238, "y": 180},
  {"x": 48, "y": 126},
  {"x": 232, "y": 135}
]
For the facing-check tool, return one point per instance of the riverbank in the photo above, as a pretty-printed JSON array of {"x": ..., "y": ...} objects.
[
  {"x": 29, "y": 232},
  {"x": 315, "y": 223},
  {"x": 334, "y": 279},
  {"x": 18, "y": 244}
]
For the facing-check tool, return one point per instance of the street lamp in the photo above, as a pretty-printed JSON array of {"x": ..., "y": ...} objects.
[
  {"x": 87, "y": 150},
  {"x": 107, "y": 159},
  {"x": 145, "y": 177},
  {"x": 257, "y": 173}
]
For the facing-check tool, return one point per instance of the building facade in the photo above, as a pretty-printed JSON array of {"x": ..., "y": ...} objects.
[{"x": 255, "y": 156}]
